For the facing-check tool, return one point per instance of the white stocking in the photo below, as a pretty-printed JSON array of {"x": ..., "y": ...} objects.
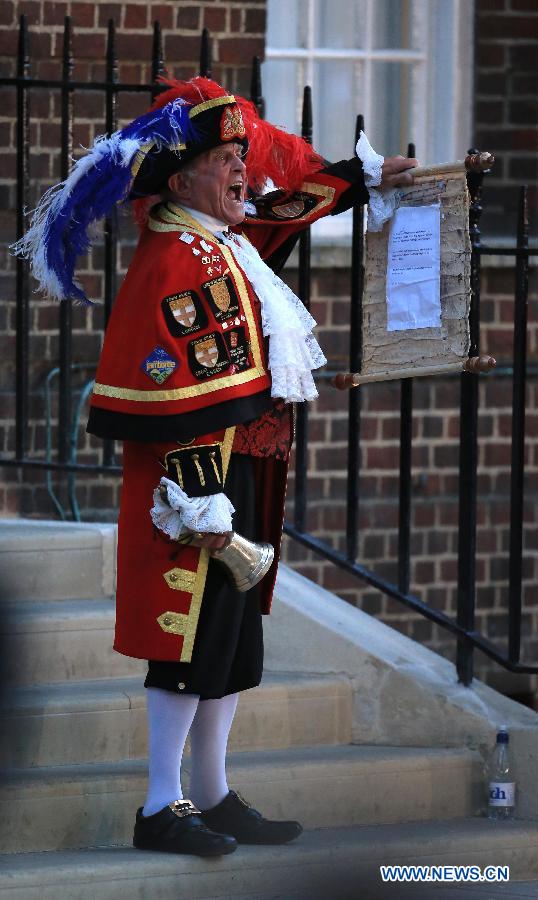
[
  {"x": 209, "y": 738},
  {"x": 169, "y": 719}
]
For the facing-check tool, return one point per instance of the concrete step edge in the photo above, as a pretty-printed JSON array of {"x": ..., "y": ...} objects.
[
  {"x": 341, "y": 857},
  {"x": 50, "y": 560},
  {"x": 66, "y": 807},
  {"x": 56, "y": 615},
  {"x": 258, "y": 763},
  {"x": 129, "y": 692},
  {"x": 34, "y": 535}
]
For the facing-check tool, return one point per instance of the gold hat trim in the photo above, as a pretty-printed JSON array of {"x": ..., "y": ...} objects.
[{"x": 210, "y": 104}]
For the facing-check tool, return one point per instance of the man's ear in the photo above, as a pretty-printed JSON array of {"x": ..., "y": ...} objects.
[{"x": 179, "y": 184}]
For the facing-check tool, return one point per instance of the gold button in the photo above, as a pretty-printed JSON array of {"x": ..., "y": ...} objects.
[
  {"x": 167, "y": 620},
  {"x": 181, "y": 686}
]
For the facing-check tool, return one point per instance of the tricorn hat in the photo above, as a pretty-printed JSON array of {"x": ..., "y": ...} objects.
[{"x": 135, "y": 163}]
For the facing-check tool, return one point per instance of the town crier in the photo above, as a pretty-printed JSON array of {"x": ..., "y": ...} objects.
[{"x": 205, "y": 352}]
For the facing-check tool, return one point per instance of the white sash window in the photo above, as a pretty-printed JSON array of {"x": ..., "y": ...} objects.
[{"x": 405, "y": 64}]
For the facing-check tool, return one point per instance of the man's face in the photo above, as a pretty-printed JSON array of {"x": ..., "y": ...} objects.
[{"x": 216, "y": 185}]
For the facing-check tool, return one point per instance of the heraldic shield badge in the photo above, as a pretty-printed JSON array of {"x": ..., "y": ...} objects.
[
  {"x": 208, "y": 356},
  {"x": 206, "y": 352},
  {"x": 183, "y": 310},
  {"x": 222, "y": 297},
  {"x": 184, "y": 313}
]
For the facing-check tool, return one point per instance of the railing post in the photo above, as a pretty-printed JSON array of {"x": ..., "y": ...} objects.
[
  {"x": 355, "y": 361},
  {"x": 518, "y": 430},
  {"x": 301, "y": 440},
  {"x": 22, "y": 315},
  {"x": 256, "y": 94},
  {"x": 205, "y": 54},
  {"x": 468, "y": 452},
  {"x": 64, "y": 392},
  {"x": 404, "y": 505},
  {"x": 157, "y": 58},
  {"x": 111, "y": 230}
]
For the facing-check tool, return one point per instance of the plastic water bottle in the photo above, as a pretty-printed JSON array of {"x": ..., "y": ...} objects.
[{"x": 500, "y": 784}]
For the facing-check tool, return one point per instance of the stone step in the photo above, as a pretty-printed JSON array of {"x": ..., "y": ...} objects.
[
  {"x": 42, "y": 560},
  {"x": 67, "y": 640},
  {"x": 99, "y": 721},
  {"x": 68, "y": 807},
  {"x": 333, "y": 862}
]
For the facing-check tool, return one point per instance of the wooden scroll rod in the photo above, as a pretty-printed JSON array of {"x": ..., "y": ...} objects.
[
  {"x": 475, "y": 162},
  {"x": 474, "y": 364}
]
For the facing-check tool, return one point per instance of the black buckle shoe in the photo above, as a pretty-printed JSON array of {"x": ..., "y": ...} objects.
[
  {"x": 235, "y": 816},
  {"x": 178, "y": 828}
]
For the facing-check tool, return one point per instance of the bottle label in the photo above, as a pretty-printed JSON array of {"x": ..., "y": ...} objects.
[{"x": 502, "y": 793}]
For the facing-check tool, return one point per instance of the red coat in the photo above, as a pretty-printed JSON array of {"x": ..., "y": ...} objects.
[{"x": 184, "y": 350}]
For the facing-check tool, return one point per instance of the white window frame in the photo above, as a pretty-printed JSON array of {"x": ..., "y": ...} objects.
[{"x": 433, "y": 143}]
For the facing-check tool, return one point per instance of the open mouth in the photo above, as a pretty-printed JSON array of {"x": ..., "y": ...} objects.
[{"x": 235, "y": 192}]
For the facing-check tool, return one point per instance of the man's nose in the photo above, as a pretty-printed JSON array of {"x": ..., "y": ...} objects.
[{"x": 239, "y": 166}]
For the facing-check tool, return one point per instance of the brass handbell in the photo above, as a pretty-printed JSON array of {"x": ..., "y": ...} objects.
[{"x": 246, "y": 561}]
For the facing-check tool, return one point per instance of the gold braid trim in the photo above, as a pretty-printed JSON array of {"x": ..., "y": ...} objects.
[
  {"x": 186, "y": 624},
  {"x": 209, "y": 104}
]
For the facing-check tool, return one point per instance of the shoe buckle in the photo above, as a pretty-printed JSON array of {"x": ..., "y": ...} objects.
[{"x": 182, "y": 808}]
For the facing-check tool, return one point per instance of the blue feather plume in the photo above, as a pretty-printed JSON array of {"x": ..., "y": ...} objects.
[{"x": 63, "y": 224}]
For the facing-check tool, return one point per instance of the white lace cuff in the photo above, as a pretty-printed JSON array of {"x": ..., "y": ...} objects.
[
  {"x": 382, "y": 203},
  {"x": 182, "y": 513}
]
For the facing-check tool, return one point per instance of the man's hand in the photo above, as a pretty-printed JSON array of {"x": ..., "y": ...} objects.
[
  {"x": 211, "y": 541},
  {"x": 394, "y": 174}
]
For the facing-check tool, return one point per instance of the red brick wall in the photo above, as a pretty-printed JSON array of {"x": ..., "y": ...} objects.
[
  {"x": 506, "y": 103},
  {"x": 237, "y": 29}
]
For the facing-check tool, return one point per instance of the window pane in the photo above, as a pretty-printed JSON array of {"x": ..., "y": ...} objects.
[
  {"x": 287, "y": 27},
  {"x": 335, "y": 108},
  {"x": 391, "y": 24},
  {"x": 389, "y": 132},
  {"x": 281, "y": 87},
  {"x": 337, "y": 23}
]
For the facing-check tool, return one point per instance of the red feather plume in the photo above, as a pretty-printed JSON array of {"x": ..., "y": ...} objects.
[{"x": 273, "y": 153}]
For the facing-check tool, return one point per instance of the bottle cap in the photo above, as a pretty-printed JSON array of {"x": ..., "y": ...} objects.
[{"x": 502, "y": 735}]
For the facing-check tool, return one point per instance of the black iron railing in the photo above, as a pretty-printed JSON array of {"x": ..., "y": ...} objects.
[{"x": 463, "y": 627}]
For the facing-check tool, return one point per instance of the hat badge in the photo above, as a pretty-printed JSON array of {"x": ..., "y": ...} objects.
[{"x": 231, "y": 123}]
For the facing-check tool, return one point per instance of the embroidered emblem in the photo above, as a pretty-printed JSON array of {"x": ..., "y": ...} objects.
[
  {"x": 186, "y": 237},
  {"x": 184, "y": 313},
  {"x": 207, "y": 247},
  {"x": 231, "y": 124},
  {"x": 289, "y": 210},
  {"x": 208, "y": 356},
  {"x": 238, "y": 348},
  {"x": 222, "y": 297},
  {"x": 159, "y": 365},
  {"x": 206, "y": 352},
  {"x": 275, "y": 206}
]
